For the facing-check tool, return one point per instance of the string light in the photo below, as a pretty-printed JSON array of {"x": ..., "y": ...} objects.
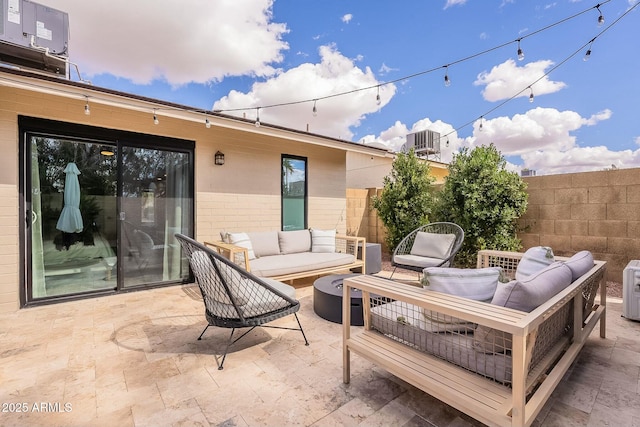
[
  {"x": 155, "y": 118},
  {"x": 480, "y": 127},
  {"x": 520, "y": 52},
  {"x": 600, "y": 17},
  {"x": 447, "y": 80},
  {"x": 531, "y": 94},
  {"x": 315, "y": 110},
  {"x": 87, "y": 110},
  {"x": 207, "y": 123},
  {"x": 587, "y": 54},
  {"x": 467, "y": 58},
  {"x": 378, "y": 102},
  {"x": 257, "y": 117}
]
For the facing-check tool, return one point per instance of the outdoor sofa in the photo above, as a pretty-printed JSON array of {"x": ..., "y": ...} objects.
[
  {"x": 288, "y": 255},
  {"x": 494, "y": 363}
]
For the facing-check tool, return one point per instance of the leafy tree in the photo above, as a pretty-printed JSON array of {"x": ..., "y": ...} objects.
[
  {"x": 485, "y": 199},
  {"x": 407, "y": 197}
]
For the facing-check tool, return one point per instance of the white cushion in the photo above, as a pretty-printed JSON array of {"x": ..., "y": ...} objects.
[
  {"x": 293, "y": 242},
  {"x": 534, "y": 260},
  {"x": 474, "y": 283},
  {"x": 417, "y": 261},
  {"x": 242, "y": 240},
  {"x": 323, "y": 241},
  {"x": 432, "y": 245},
  {"x": 264, "y": 243}
]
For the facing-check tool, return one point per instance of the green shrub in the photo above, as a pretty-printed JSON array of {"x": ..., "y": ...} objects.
[
  {"x": 485, "y": 199},
  {"x": 407, "y": 197}
]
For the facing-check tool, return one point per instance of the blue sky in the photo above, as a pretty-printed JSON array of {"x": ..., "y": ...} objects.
[{"x": 235, "y": 54}]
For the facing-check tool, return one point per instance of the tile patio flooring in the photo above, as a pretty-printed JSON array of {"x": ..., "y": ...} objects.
[{"x": 133, "y": 360}]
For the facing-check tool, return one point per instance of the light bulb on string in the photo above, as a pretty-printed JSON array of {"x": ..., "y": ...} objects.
[
  {"x": 155, "y": 118},
  {"x": 587, "y": 54},
  {"x": 257, "y": 117},
  {"x": 378, "y": 102},
  {"x": 447, "y": 80},
  {"x": 315, "y": 109},
  {"x": 531, "y": 94},
  {"x": 520, "y": 52},
  {"x": 207, "y": 123},
  {"x": 87, "y": 110},
  {"x": 480, "y": 127},
  {"x": 600, "y": 17}
]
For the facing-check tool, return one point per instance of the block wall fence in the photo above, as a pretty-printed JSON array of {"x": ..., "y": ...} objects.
[{"x": 596, "y": 211}]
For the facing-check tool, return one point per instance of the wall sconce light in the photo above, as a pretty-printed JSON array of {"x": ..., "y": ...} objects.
[{"x": 219, "y": 158}]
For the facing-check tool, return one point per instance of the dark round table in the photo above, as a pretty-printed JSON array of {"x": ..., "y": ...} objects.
[{"x": 327, "y": 299}]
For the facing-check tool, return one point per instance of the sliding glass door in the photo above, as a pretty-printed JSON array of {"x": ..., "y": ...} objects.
[
  {"x": 101, "y": 213},
  {"x": 156, "y": 204}
]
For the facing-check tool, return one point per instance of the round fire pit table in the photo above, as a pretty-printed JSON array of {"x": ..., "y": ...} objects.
[{"x": 327, "y": 299}]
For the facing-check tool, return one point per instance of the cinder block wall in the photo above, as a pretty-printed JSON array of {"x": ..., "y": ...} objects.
[{"x": 597, "y": 211}]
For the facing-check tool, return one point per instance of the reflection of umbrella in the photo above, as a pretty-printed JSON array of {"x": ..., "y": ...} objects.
[{"x": 70, "y": 220}]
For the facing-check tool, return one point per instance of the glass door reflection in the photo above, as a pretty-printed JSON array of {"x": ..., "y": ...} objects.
[
  {"x": 155, "y": 204},
  {"x": 73, "y": 217}
]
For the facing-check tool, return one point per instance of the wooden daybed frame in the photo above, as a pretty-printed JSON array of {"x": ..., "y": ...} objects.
[
  {"x": 516, "y": 403},
  {"x": 344, "y": 244}
]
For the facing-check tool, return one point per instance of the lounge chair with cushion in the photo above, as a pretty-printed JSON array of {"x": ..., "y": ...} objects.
[
  {"x": 431, "y": 245},
  {"x": 235, "y": 298}
]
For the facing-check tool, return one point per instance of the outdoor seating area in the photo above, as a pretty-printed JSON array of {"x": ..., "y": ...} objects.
[{"x": 100, "y": 362}]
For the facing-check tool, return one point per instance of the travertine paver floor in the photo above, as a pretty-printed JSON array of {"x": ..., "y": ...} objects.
[{"x": 133, "y": 360}]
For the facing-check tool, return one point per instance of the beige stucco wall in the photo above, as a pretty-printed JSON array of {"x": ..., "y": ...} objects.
[
  {"x": 243, "y": 194},
  {"x": 365, "y": 171}
]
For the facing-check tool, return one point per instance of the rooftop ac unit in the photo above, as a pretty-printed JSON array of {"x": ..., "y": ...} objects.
[
  {"x": 34, "y": 36},
  {"x": 631, "y": 290},
  {"x": 424, "y": 142}
]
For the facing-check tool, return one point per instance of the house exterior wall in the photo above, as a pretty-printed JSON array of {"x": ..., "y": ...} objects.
[
  {"x": 365, "y": 171},
  {"x": 242, "y": 194}
]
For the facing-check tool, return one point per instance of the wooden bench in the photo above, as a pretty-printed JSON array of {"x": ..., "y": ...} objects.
[{"x": 533, "y": 376}]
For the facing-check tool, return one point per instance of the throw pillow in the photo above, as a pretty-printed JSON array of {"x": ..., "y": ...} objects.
[
  {"x": 242, "y": 240},
  {"x": 323, "y": 241},
  {"x": 293, "y": 242},
  {"x": 474, "y": 283},
  {"x": 534, "y": 260},
  {"x": 529, "y": 293},
  {"x": 265, "y": 243},
  {"x": 525, "y": 295},
  {"x": 432, "y": 245},
  {"x": 579, "y": 264}
]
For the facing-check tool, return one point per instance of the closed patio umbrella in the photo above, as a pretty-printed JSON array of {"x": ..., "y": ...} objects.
[{"x": 70, "y": 220}]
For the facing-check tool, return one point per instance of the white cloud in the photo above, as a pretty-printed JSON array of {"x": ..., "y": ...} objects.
[
  {"x": 507, "y": 79},
  {"x": 541, "y": 137},
  {"x": 454, "y": 3},
  {"x": 347, "y": 18},
  {"x": 142, "y": 41},
  {"x": 580, "y": 159},
  {"x": 333, "y": 75}
]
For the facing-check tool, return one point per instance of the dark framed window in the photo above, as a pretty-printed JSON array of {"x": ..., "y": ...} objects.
[{"x": 294, "y": 192}]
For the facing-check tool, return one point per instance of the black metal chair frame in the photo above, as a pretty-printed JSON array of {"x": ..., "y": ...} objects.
[
  {"x": 404, "y": 247},
  {"x": 233, "y": 297}
]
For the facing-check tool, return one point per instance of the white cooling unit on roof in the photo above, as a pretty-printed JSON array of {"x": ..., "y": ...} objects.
[
  {"x": 631, "y": 290},
  {"x": 34, "y": 36},
  {"x": 424, "y": 143}
]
